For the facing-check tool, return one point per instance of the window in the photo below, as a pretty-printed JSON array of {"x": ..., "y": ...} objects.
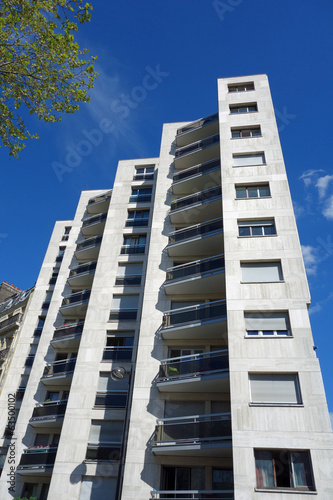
[
  {"x": 253, "y": 191},
  {"x": 241, "y": 87},
  {"x": 124, "y": 307},
  {"x": 223, "y": 479},
  {"x": 140, "y": 195},
  {"x": 119, "y": 346},
  {"x": 107, "y": 384},
  {"x": 137, "y": 218},
  {"x": 144, "y": 172},
  {"x": 242, "y": 133},
  {"x": 248, "y": 160},
  {"x": 261, "y": 272},
  {"x": 134, "y": 244},
  {"x": 256, "y": 227},
  {"x": 267, "y": 324},
  {"x": 106, "y": 431},
  {"x": 129, "y": 274},
  {"x": 284, "y": 469},
  {"x": 111, "y": 393},
  {"x": 183, "y": 478},
  {"x": 243, "y": 108},
  {"x": 275, "y": 388}
]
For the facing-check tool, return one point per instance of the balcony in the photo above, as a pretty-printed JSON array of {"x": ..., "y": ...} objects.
[
  {"x": 139, "y": 222},
  {"x": 99, "y": 204},
  {"x": 76, "y": 304},
  {"x": 144, "y": 177},
  {"x": 206, "y": 372},
  {"x": 197, "y": 152},
  {"x": 195, "y": 241},
  {"x": 201, "y": 276},
  {"x": 200, "y": 435},
  {"x": 10, "y": 323},
  {"x": 88, "y": 249},
  {"x": 100, "y": 451},
  {"x": 119, "y": 353},
  {"x": 205, "y": 320},
  {"x": 196, "y": 178},
  {"x": 82, "y": 276},
  {"x": 197, "y": 130},
  {"x": 94, "y": 225},
  {"x": 111, "y": 400},
  {"x": 58, "y": 372},
  {"x": 123, "y": 314},
  {"x": 49, "y": 414},
  {"x": 132, "y": 249},
  {"x": 140, "y": 198},
  {"x": 129, "y": 280},
  {"x": 4, "y": 354},
  {"x": 37, "y": 461},
  {"x": 197, "y": 207},
  {"x": 67, "y": 336},
  {"x": 192, "y": 494}
]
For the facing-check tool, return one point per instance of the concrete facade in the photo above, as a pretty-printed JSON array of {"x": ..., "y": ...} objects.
[{"x": 175, "y": 354}]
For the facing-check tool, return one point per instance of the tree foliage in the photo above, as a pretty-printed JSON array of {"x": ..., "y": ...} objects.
[{"x": 42, "y": 67}]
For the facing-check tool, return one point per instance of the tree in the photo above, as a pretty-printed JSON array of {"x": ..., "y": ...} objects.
[{"x": 41, "y": 64}]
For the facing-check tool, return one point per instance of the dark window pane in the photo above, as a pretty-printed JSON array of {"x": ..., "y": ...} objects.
[
  {"x": 244, "y": 231},
  {"x": 241, "y": 192}
]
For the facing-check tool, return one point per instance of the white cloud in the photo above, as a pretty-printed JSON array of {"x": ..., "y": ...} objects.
[
  {"x": 322, "y": 185},
  {"x": 328, "y": 209},
  {"x": 298, "y": 209},
  {"x": 310, "y": 259},
  {"x": 307, "y": 176}
]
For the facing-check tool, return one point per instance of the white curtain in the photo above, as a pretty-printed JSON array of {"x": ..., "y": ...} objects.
[{"x": 274, "y": 388}]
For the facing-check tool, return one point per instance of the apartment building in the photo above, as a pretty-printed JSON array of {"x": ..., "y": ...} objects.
[{"x": 175, "y": 356}]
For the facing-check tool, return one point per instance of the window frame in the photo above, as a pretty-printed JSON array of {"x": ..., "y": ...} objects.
[
  {"x": 275, "y": 375},
  {"x": 243, "y": 105},
  {"x": 242, "y": 130},
  {"x": 252, "y": 186},
  {"x": 270, "y": 315},
  {"x": 251, "y": 224},
  {"x": 257, "y": 154},
  {"x": 236, "y": 86},
  {"x": 262, "y": 262}
]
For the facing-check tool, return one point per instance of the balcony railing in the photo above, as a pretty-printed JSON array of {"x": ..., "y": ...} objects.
[
  {"x": 192, "y": 494},
  {"x": 76, "y": 297},
  {"x": 132, "y": 249},
  {"x": 135, "y": 279},
  {"x": 90, "y": 242},
  {"x": 119, "y": 353},
  {"x": 59, "y": 368},
  {"x": 33, "y": 458},
  {"x": 193, "y": 199},
  {"x": 143, "y": 177},
  {"x": 193, "y": 430},
  {"x": 98, "y": 199},
  {"x": 197, "y": 146},
  {"x": 50, "y": 410},
  {"x": 70, "y": 330},
  {"x": 124, "y": 314},
  {"x": 95, "y": 219},
  {"x": 13, "y": 320},
  {"x": 195, "y": 364},
  {"x": 197, "y": 268},
  {"x": 198, "y": 123},
  {"x": 111, "y": 400},
  {"x": 89, "y": 267},
  {"x": 143, "y": 222},
  {"x": 203, "y": 168},
  {"x": 4, "y": 354},
  {"x": 196, "y": 313},
  {"x": 140, "y": 198},
  {"x": 103, "y": 452},
  {"x": 212, "y": 226}
]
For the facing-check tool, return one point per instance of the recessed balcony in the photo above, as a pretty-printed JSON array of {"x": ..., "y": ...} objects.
[
  {"x": 140, "y": 198},
  {"x": 49, "y": 414},
  {"x": 201, "y": 276},
  {"x": 67, "y": 335},
  {"x": 197, "y": 152},
  {"x": 99, "y": 204},
  {"x": 196, "y": 178},
  {"x": 76, "y": 304},
  {"x": 36, "y": 461},
  {"x": 132, "y": 249},
  {"x": 129, "y": 280},
  {"x": 101, "y": 451},
  {"x": 59, "y": 372},
  {"x": 205, "y": 320},
  {"x": 199, "y": 435},
  {"x": 119, "y": 353},
  {"x": 138, "y": 222},
  {"x": 203, "y": 239},
  {"x": 82, "y": 276},
  {"x": 206, "y": 372},
  {"x": 197, "y": 130},
  {"x": 117, "y": 400},
  {"x": 192, "y": 494},
  {"x": 94, "y": 225},
  {"x": 10, "y": 323},
  {"x": 197, "y": 207},
  {"x": 88, "y": 249}
]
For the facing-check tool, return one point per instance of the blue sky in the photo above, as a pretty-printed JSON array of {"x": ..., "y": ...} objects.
[{"x": 184, "y": 46}]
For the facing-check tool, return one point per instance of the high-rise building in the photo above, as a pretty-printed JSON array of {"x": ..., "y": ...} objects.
[{"x": 175, "y": 357}]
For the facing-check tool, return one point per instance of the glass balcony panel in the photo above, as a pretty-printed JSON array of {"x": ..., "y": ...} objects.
[
  {"x": 59, "y": 367},
  {"x": 95, "y": 219},
  {"x": 196, "y": 146},
  {"x": 120, "y": 353},
  {"x": 52, "y": 409},
  {"x": 137, "y": 222},
  {"x": 90, "y": 242},
  {"x": 42, "y": 457},
  {"x": 124, "y": 314},
  {"x": 195, "y": 268},
  {"x": 83, "y": 268},
  {"x": 197, "y": 230},
  {"x": 198, "y": 123},
  {"x": 132, "y": 249},
  {"x": 143, "y": 177},
  {"x": 108, "y": 400},
  {"x": 199, "y": 364},
  {"x": 198, "y": 169},
  {"x": 98, "y": 199},
  {"x": 76, "y": 297},
  {"x": 201, "y": 197},
  {"x": 140, "y": 198},
  {"x": 68, "y": 330},
  {"x": 111, "y": 452},
  {"x": 193, "y": 494},
  {"x": 192, "y": 314}
]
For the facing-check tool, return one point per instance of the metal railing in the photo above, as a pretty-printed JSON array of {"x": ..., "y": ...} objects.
[
  {"x": 76, "y": 297},
  {"x": 123, "y": 314},
  {"x": 98, "y": 199},
  {"x": 88, "y": 267},
  {"x": 90, "y": 242},
  {"x": 198, "y": 123},
  {"x": 196, "y": 268},
  {"x": 95, "y": 219},
  {"x": 132, "y": 249},
  {"x": 191, "y": 430},
  {"x": 194, "y": 364},
  {"x": 111, "y": 400},
  {"x": 103, "y": 451},
  {"x": 59, "y": 367},
  {"x": 192, "y": 494},
  {"x": 63, "y": 331},
  {"x": 196, "y": 313},
  {"x": 10, "y": 321},
  {"x": 198, "y": 145},
  {"x": 202, "y": 168},
  {"x": 140, "y": 198},
  {"x": 38, "y": 457},
  {"x": 143, "y": 177},
  {"x": 4, "y": 354},
  {"x": 193, "y": 199},
  {"x": 119, "y": 353},
  {"x": 139, "y": 222},
  {"x": 187, "y": 233},
  {"x": 50, "y": 409},
  {"x": 129, "y": 280}
]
